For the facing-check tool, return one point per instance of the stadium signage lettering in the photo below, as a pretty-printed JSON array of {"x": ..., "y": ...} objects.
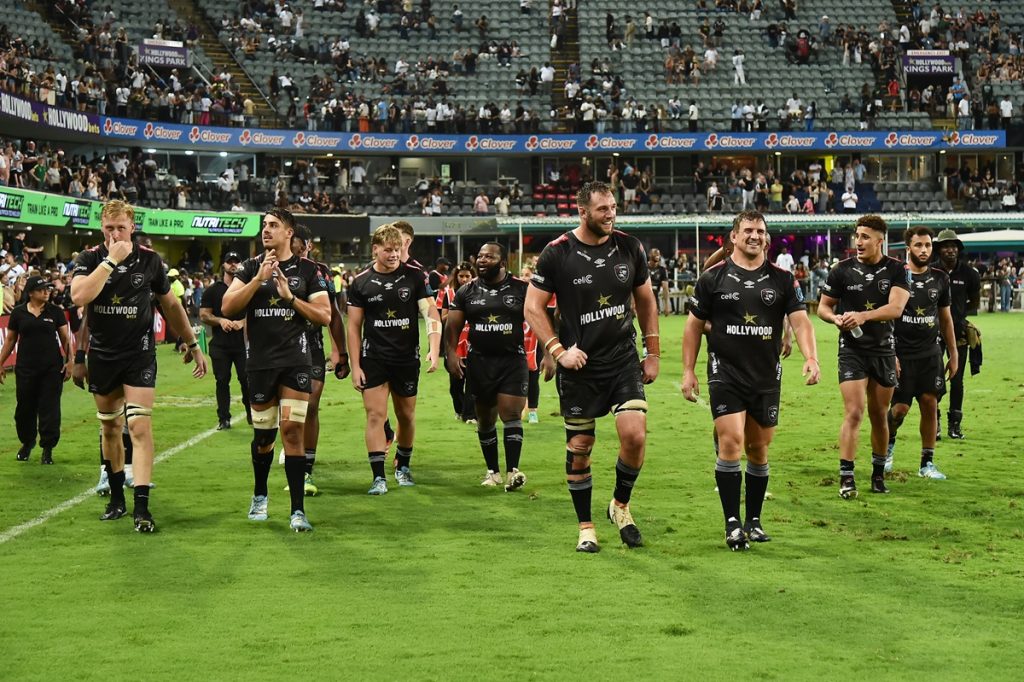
[
  {"x": 616, "y": 143},
  {"x": 975, "y": 140},
  {"x": 69, "y": 120},
  {"x": 733, "y": 142},
  {"x": 856, "y": 141},
  {"x": 120, "y": 129},
  {"x": 14, "y": 106},
  {"x": 491, "y": 144},
  {"x": 162, "y": 133},
  {"x": 265, "y": 139},
  {"x": 554, "y": 144},
  {"x": 434, "y": 144},
  {"x": 325, "y": 142},
  {"x": 796, "y": 141},
  {"x": 211, "y": 136},
  {"x": 911, "y": 140},
  {"x": 670, "y": 142}
]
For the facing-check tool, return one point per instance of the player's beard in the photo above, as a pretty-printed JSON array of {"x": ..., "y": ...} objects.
[
  {"x": 596, "y": 227},
  {"x": 489, "y": 273},
  {"x": 919, "y": 261}
]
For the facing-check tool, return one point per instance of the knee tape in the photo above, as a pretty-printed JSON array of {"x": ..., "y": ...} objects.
[
  {"x": 264, "y": 420},
  {"x": 135, "y": 411},
  {"x": 296, "y": 409},
  {"x": 261, "y": 438},
  {"x": 630, "y": 406},
  {"x": 570, "y": 462},
  {"x": 110, "y": 416},
  {"x": 578, "y": 427}
]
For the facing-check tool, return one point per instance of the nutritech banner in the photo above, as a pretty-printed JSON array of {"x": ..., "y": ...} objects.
[
  {"x": 150, "y": 133},
  {"x": 54, "y": 210},
  {"x": 169, "y": 54}
]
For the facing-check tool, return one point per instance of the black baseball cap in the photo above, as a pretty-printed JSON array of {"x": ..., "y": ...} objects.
[
  {"x": 231, "y": 256},
  {"x": 37, "y": 283},
  {"x": 443, "y": 261}
]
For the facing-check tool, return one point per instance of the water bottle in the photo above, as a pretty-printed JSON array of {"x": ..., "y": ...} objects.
[{"x": 856, "y": 332}]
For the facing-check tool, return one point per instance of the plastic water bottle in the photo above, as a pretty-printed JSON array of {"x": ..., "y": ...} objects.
[{"x": 856, "y": 332}]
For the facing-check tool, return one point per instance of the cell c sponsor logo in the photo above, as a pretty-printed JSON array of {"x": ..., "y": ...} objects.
[
  {"x": 585, "y": 279},
  {"x": 732, "y": 296}
]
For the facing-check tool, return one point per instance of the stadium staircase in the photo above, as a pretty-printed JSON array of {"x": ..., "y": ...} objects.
[
  {"x": 223, "y": 59},
  {"x": 563, "y": 56}
]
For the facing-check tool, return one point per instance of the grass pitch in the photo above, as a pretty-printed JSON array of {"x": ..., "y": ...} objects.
[{"x": 449, "y": 580}]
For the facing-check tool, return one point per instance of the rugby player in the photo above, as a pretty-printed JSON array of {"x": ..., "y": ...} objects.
[
  {"x": 383, "y": 302},
  {"x": 746, "y": 299},
  {"x": 924, "y": 321},
  {"x": 496, "y": 370},
  {"x": 302, "y": 243},
  {"x": 114, "y": 282},
  {"x": 281, "y": 295},
  {"x": 872, "y": 289},
  {"x": 596, "y": 272}
]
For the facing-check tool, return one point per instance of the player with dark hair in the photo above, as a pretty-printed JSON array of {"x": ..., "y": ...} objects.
[
  {"x": 964, "y": 296},
  {"x": 301, "y": 246},
  {"x": 281, "y": 295},
  {"x": 461, "y": 275},
  {"x": 747, "y": 300},
  {"x": 115, "y": 282},
  {"x": 872, "y": 289},
  {"x": 925, "y": 320},
  {"x": 383, "y": 303},
  {"x": 598, "y": 272},
  {"x": 496, "y": 369}
]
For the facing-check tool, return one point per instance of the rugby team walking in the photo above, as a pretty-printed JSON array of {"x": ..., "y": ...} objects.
[{"x": 268, "y": 312}]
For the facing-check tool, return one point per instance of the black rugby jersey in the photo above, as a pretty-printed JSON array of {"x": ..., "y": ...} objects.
[
  {"x": 213, "y": 298},
  {"x": 495, "y": 315},
  {"x": 275, "y": 333},
  {"x": 747, "y": 309},
  {"x": 594, "y": 285},
  {"x": 121, "y": 316},
  {"x": 390, "y": 303},
  {"x": 860, "y": 287},
  {"x": 658, "y": 275},
  {"x": 964, "y": 282},
  {"x": 315, "y": 332},
  {"x": 39, "y": 347},
  {"x": 917, "y": 329}
]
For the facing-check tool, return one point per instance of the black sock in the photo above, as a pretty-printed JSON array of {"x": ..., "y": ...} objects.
[
  {"x": 105, "y": 463},
  {"x": 894, "y": 426},
  {"x": 714, "y": 437},
  {"x": 141, "y": 499},
  {"x": 730, "y": 483},
  {"x": 757, "y": 486},
  {"x": 625, "y": 477},
  {"x": 403, "y": 455},
  {"x": 377, "y": 463},
  {"x": 117, "y": 487},
  {"x": 512, "y": 434},
  {"x": 126, "y": 438},
  {"x": 927, "y": 454},
  {"x": 489, "y": 446},
  {"x": 261, "y": 462},
  {"x": 581, "y": 492},
  {"x": 877, "y": 465},
  {"x": 389, "y": 433},
  {"x": 295, "y": 472},
  {"x": 845, "y": 467},
  {"x": 310, "y": 461}
]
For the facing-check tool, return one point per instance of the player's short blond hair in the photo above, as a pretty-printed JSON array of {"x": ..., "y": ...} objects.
[
  {"x": 386, "y": 235},
  {"x": 115, "y": 208}
]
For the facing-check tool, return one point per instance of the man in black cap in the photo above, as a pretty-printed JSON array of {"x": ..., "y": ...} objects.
[
  {"x": 227, "y": 345},
  {"x": 965, "y": 294},
  {"x": 439, "y": 275}
]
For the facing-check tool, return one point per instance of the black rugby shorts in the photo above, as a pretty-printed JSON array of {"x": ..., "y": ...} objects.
[
  {"x": 489, "y": 375},
  {"x": 584, "y": 397},
  {"x": 106, "y": 376},
  {"x": 732, "y": 398},
  {"x": 919, "y": 376},
  {"x": 264, "y": 384},
  {"x": 854, "y": 366},
  {"x": 403, "y": 380},
  {"x": 318, "y": 362}
]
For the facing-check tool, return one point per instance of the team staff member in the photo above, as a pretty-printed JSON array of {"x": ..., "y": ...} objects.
[
  {"x": 964, "y": 295},
  {"x": 744, "y": 370},
  {"x": 496, "y": 370},
  {"x": 301, "y": 243},
  {"x": 227, "y": 347},
  {"x": 925, "y": 317},
  {"x": 41, "y": 332},
  {"x": 872, "y": 289},
  {"x": 383, "y": 303},
  {"x": 280, "y": 294},
  {"x": 597, "y": 273},
  {"x": 115, "y": 281}
]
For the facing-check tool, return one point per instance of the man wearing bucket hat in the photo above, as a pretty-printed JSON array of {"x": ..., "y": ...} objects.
[
  {"x": 227, "y": 347},
  {"x": 965, "y": 294}
]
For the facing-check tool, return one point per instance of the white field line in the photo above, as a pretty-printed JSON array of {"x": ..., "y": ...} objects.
[{"x": 14, "y": 532}]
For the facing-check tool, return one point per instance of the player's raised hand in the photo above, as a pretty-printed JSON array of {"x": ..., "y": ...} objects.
[
  {"x": 812, "y": 371},
  {"x": 690, "y": 387},
  {"x": 268, "y": 266},
  {"x": 118, "y": 251},
  {"x": 281, "y": 282}
]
